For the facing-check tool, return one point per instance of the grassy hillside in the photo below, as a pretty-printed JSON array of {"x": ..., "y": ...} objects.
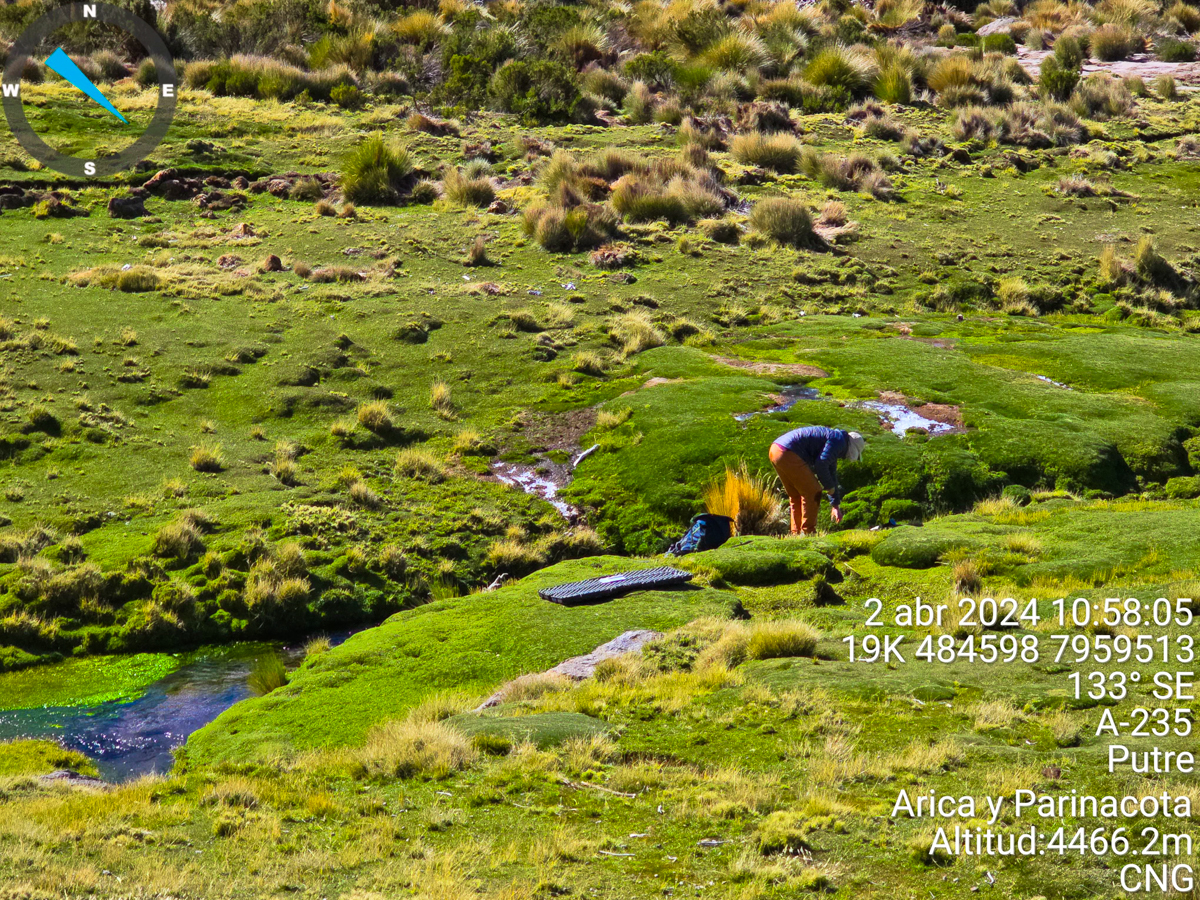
[
  {"x": 467, "y": 645},
  {"x": 415, "y": 297},
  {"x": 748, "y": 756}
]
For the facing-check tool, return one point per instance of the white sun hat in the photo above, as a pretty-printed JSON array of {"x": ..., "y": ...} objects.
[{"x": 855, "y": 450}]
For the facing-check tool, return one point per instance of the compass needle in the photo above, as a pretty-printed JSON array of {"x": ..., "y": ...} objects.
[
  {"x": 63, "y": 65},
  {"x": 87, "y": 144}
]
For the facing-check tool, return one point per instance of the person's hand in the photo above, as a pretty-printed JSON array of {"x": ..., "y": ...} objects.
[{"x": 836, "y": 512}]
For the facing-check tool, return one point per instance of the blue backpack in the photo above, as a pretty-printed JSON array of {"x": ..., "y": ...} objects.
[{"x": 708, "y": 531}]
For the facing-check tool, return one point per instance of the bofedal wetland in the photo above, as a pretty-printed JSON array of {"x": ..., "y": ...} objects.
[{"x": 422, "y": 311}]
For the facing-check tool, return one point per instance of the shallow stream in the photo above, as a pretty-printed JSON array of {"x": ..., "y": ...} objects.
[
  {"x": 133, "y": 738},
  {"x": 900, "y": 417}
]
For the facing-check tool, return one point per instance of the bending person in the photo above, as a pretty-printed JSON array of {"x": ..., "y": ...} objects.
[{"x": 806, "y": 460}]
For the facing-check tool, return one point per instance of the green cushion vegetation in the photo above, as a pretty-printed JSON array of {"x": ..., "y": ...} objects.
[
  {"x": 917, "y": 548},
  {"x": 757, "y": 560},
  {"x": 542, "y": 729},
  {"x": 40, "y": 758},
  {"x": 469, "y": 644},
  {"x": 1184, "y": 488}
]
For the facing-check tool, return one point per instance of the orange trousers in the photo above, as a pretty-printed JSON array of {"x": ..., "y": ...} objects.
[{"x": 803, "y": 489}]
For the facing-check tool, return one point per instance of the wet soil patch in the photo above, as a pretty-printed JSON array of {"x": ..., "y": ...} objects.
[{"x": 770, "y": 368}]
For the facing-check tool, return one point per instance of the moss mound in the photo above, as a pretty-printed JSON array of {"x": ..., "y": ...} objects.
[
  {"x": 542, "y": 729},
  {"x": 759, "y": 560},
  {"x": 917, "y": 548},
  {"x": 466, "y": 644}
]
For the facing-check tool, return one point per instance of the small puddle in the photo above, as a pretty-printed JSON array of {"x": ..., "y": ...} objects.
[
  {"x": 540, "y": 484},
  {"x": 902, "y": 418},
  {"x": 789, "y": 397},
  {"x": 126, "y": 740},
  {"x": 1065, "y": 387}
]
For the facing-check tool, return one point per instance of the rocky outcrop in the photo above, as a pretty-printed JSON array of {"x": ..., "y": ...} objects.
[
  {"x": 127, "y": 207},
  {"x": 579, "y": 668}
]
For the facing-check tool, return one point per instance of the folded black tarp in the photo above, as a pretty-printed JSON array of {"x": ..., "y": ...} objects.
[{"x": 595, "y": 590}]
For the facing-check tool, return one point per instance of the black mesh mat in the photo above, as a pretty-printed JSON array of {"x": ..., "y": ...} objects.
[{"x": 595, "y": 590}]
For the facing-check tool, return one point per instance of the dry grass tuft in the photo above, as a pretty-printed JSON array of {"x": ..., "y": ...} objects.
[
  {"x": 417, "y": 462},
  {"x": 634, "y": 332},
  {"x": 750, "y": 500},
  {"x": 441, "y": 401},
  {"x": 207, "y": 457},
  {"x": 417, "y": 746}
]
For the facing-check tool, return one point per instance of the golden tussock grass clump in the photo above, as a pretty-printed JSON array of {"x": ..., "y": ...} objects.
[
  {"x": 418, "y": 462},
  {"x": 992, "y": 714},
  {"x": 839, "y": 761},
  {"x": 590, "y": 363},
  {"x": 238, "y": 792},
  {"x": 441, "y": 400},
  {"x": 468, "y": 442},
  {"x": 627, "y": 681},
  {"x": 563, "y": 844},
  {"x": 1005, "y": 781},
  {"x": 411, "y": 747},
  {"x": 514, "y": 555},
  {"x": 607, "y": 419},
  {"x": 316, "y": 646},
  {"x": 634, "y": 332},
  {"x": 284, "y": 466},
  {"x": 1067, "y": 729},
  {"x": 779, "y": 152},
  {"x": 857, "y": 542},
  {"x": 361, "y": 495},
  {"x": 739, "y": 642},
  {"x": 470, "y": 186},
  {"x": 968, "y": 577},
  {"x": 375, "y": 417},
  {"x": 534, "y": 686},
  {"x": 582, "y": 754},
  {"x": 207, "y": 457},
  {"x": 442, "y": 705},
  {"x": 952, "y": 619},
  {"x": 268, "y": 674},
  {"x": 179, "y": 540},
  {"x": 1023, "y": 543},
  {"x": 750, "y": 500},
  {"x": 997, "y": 506},
  {"x": 785, "y": 220}
]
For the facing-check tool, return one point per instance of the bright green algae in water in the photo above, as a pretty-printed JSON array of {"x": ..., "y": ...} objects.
[{"x": 85, "y": 682}]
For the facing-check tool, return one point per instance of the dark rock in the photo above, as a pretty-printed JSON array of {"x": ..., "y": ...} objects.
[
  {"x": 241, "y": 183},
  {"x": 272, "y": 264},
  {"x": 160, "y": 177},
  {"x": 499, "y": 207},
  {"x": 66, "y": 776},
  {"x": 1002, "y": 25},
  {"x": 579, "y": 668},
  {"x": 752, "y": 177},
  {"x": 279, "y": 187},
  {"x": 54, "y": 208},
  {"x": 127, "y": 207},
  {"x": 174, "y": 190}
]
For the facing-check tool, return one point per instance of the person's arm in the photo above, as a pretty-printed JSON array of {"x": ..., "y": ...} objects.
[{"x": 826, "y": 471}]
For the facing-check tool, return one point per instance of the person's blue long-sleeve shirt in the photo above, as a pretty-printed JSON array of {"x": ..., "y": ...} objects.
[{"x": 820, "y": 448}]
